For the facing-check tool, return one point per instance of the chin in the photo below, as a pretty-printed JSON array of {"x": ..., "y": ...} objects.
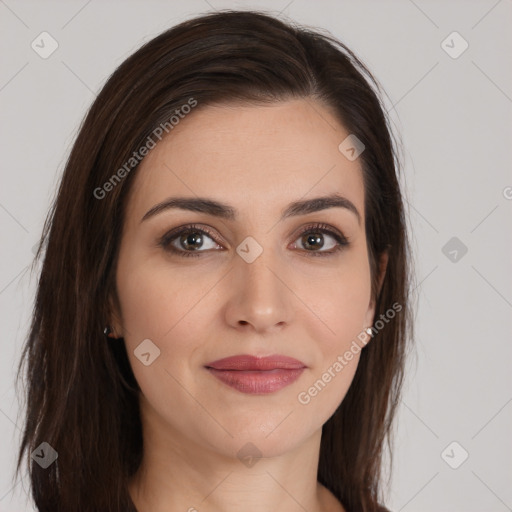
[{"x": 269, "y": 437}]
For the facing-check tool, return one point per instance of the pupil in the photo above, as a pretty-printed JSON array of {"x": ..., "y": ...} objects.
[
  {"x": 314, "y": 241},
  {"x": 190, "y": 239}
]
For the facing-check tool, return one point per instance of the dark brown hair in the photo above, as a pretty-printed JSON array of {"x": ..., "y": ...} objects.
[{"x": 81, "y": 395}]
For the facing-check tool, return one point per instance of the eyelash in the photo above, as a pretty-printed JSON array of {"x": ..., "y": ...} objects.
[{"x": 165, "y": 240}]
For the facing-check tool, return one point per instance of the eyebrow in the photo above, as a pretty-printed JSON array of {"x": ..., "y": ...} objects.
[{"x": 224, "y": 211}]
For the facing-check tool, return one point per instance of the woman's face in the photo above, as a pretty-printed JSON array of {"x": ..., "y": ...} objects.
[{"x": 263, "y": 280}]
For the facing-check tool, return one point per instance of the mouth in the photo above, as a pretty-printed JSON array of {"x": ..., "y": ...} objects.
[{"x": 253, "y": 375}]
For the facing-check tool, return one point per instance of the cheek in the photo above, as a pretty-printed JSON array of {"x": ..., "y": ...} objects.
[
  {"x": 341, "y": 303},
  {"x": 338, "y": 303},
  {"x": 156, "y": 298},
  {"x": 328, "y": 385},
  {"x": 169, "y": 307}
]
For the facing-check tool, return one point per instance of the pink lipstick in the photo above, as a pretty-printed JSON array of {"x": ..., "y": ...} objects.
[{"x": 257, "y": 375}]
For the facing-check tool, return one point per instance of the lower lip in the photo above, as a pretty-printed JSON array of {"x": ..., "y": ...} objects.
[{"x": 257, "y": 382}]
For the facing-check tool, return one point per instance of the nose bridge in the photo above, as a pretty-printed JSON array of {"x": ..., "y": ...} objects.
[
  {"x": 257, "y": 295},
  {"x": 256, "y": 276}
]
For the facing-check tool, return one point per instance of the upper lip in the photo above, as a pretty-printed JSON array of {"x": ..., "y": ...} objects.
[{"x": 248, "y": 362}]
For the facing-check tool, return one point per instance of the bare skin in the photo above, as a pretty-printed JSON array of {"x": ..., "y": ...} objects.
[{"x": 258, "y": 160}]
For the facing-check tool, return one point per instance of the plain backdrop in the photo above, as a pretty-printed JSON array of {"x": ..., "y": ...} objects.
[{"x": 452, "y": 107}]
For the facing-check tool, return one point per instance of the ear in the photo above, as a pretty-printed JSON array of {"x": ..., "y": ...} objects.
[
  {"x": 382, "y": 267},
  {"x": 114, "y": 316}
]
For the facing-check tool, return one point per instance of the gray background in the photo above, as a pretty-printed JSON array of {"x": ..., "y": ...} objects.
[{"x": 454, "y": 116}]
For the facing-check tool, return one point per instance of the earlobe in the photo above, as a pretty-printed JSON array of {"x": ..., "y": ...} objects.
[{"x": 109, "y": 332}]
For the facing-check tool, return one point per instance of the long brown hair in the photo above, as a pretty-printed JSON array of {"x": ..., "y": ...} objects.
[{"x": 81, "y": 395}]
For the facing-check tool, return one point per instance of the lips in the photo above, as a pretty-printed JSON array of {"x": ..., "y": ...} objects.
[
  {"x": 256, "y": 375},
  {"x": 256, "y": 363}
]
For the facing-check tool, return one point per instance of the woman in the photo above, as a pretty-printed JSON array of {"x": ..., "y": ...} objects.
[{"x": 222, "y": 313}]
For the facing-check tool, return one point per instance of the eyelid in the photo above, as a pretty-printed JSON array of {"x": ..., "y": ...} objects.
[
  {"x": 342, "y": 240},
  {"x": 324, "y": 228},
  {"x": 165, "y": 240}
]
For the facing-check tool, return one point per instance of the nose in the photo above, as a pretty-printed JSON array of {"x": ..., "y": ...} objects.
[{"x": 259, "y": 295}]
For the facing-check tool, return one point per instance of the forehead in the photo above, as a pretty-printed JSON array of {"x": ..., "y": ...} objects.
[{"x": 257, "y": 158}]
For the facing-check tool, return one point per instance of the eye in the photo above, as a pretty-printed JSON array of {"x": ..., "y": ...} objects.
[
  {"x": 192, "y": 240},
  {"x": 312, "y": 239},
  {"x": 188, "y": 241}
]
